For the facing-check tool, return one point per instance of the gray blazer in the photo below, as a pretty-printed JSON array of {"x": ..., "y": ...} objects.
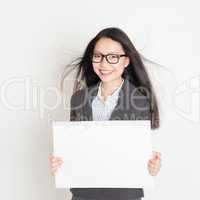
[{"x": 131, "y": 105}]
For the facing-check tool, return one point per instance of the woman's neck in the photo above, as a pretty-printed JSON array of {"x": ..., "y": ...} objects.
[{"x": 107, "y": 88}]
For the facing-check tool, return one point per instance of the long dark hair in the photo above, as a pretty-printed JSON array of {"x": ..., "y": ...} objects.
[{"x": 135, "y": 71}]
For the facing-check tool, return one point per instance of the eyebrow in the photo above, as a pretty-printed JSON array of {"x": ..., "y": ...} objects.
[{"x": 112, "y": 52}]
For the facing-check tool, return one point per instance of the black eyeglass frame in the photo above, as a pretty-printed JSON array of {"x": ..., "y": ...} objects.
[{"x": 106, "y": 56}]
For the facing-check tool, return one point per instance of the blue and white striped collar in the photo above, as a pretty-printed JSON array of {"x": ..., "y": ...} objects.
[{"x": 114, "y": 95}]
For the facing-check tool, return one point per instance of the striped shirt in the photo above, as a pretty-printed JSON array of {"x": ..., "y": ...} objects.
[{"x": 102, "y": 110}]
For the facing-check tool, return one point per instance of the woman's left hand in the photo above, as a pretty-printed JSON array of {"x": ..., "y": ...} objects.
[{"x": 154, "y": 164}]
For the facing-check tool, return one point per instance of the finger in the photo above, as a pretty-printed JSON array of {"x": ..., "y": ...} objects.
[
  {"x": 151, "y": 167},
  {"x": 151, "y": 164},
  {"x": 55, "y": 160},
  {"x": 50, "y": 157},
  {"x": 156, "y": 170},
  {"x": 154, "y": 165},
  {"x": 153, "y": 171},
  {"x": 156, "y": 154},
  {"x": 55, "y": 168},
  {"x": 53, "y": 171},
  {"x": 155, "y": 160},
  {"x": 57, "y": 164}
]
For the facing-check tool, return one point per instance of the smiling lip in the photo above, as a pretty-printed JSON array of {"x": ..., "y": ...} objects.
[{"x": 105, "y": 72}]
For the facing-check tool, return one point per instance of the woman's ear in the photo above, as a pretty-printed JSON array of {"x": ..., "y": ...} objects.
[{"x": 127, "y": 61}]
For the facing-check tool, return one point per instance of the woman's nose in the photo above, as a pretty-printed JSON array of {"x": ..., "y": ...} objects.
[{"x": 104, "y": 62}]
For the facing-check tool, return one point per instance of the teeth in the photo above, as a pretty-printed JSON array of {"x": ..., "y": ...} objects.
[{"x": 105, "y": 71}]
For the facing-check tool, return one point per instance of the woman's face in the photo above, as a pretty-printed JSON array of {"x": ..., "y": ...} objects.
[{"x": 109, "y": 72}]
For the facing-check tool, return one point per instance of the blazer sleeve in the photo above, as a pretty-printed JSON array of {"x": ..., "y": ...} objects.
[
  {"x": 77, "y": 103},
  {"x": 146, "y": 112},
  {"x": 142, "y": 104}
]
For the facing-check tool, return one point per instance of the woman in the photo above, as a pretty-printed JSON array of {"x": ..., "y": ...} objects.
[{"x": 112, "y": 84}]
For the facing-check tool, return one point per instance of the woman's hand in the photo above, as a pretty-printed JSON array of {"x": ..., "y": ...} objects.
[
  {"x": 154, "y": 164},
  {"x": 55, "y": 163}
]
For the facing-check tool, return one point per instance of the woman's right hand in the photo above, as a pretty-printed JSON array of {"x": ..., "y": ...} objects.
[{"x": 55, "y": 163}]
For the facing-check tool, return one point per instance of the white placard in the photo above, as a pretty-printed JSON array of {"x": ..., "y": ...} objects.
[{"x": 104, "y": 154}]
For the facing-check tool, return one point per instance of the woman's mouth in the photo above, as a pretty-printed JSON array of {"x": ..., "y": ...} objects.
[{"x": 105, "y": 72}]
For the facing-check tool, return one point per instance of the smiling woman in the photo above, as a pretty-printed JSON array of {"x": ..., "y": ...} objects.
[
  {"x": 109, "y": 70},
  {"x": 92, "y": 67},
  {"x": 116, "y": 87}
]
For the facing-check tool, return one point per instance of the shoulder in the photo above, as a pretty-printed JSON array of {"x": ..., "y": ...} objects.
[
  {"x": 135, "y": 101},
  {"x": 134, "y": 93},
  {"x": 78, "y": 96},
  {"x": 84, "y": 94},
  {"x": 79, "y": 93}
]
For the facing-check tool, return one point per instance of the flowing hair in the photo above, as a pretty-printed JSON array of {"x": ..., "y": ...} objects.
[{"x": 135, "y": 72}]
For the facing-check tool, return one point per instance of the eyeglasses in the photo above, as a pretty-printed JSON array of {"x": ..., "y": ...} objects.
[{"x": 110, "y": 58}]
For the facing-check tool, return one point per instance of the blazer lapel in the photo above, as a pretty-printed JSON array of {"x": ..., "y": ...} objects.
[
  {"x": 92, "y": 93},
  {"x": 118, "y": 110}
]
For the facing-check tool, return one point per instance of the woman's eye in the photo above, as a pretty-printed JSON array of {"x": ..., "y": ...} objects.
[
  {"x": 113, "y": 56},
  {"x": 97, "y": 55}
]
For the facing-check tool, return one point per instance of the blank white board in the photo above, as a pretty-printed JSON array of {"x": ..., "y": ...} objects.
[{"x": 104, "y": 154}]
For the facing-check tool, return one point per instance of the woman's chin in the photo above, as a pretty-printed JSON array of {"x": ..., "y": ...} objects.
[{"x": 105, "y": 79}]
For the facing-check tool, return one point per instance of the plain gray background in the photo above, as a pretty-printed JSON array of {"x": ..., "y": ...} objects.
[{"x": 37, "y": 40}]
